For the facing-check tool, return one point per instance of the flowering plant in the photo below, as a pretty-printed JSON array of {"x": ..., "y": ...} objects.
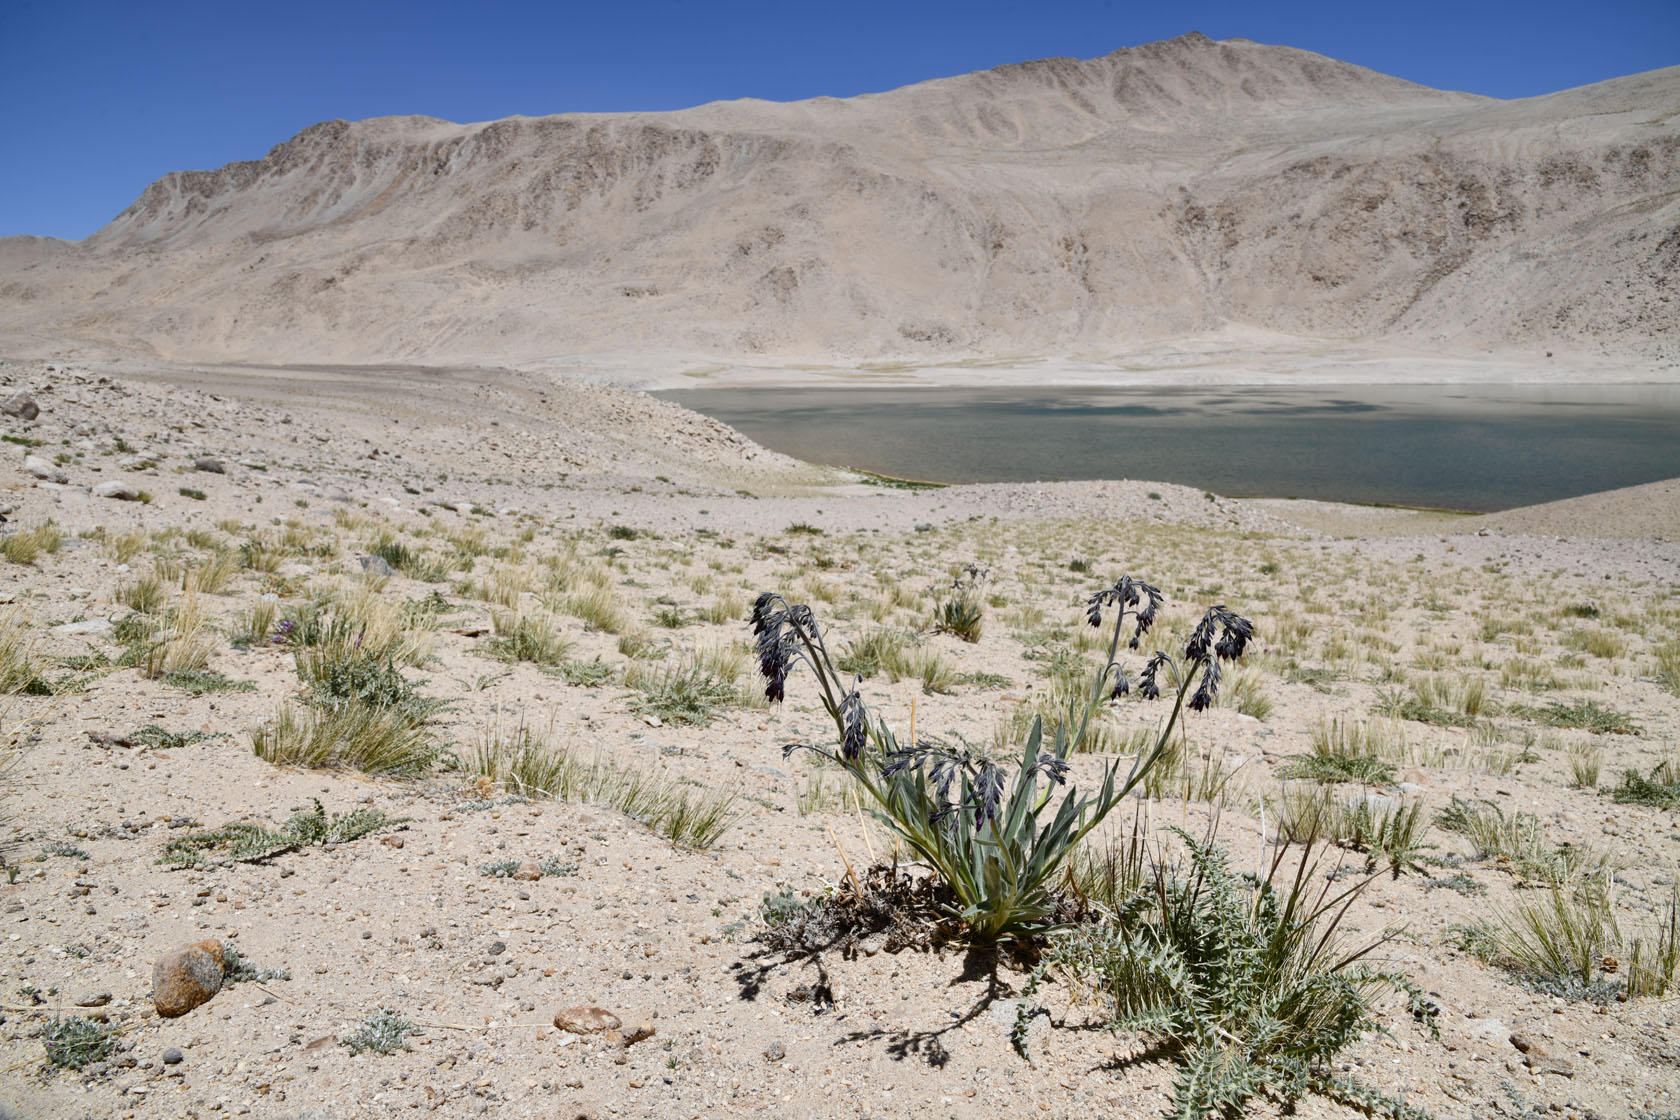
[{"x": 991, "y": 835}]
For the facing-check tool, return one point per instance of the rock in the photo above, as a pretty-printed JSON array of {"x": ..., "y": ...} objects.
[
  {"x": 641, "y": 1032},
  {"x": 1527, "y": 1043},
  {"x": 1562, "y": 1067},
  {"x": 173, "y": 1056},
  {"x": 775, "y": 1052},
  {"x": 209, "y": 464},
  {"x": 528, "y": 873},
  {"x": 93, "y": 999},
  {"x": 186, "y": 977},
  {"x": 44, "y": 469},
  {"x": 495, "y": 949},
  {"x": 21, "y": 405},
  {"x": 586, "y": 1019},
  {"x": 376, "y": 566},
  {"x": 1488, "y": 1030},
  {"x": 121, "y": 491},
  {"x": 86, "y": 626}
]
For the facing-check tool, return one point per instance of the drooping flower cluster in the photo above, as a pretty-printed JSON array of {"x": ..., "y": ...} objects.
[
  {"x": 1235, "y": 632},
  {"x": 1127, "y": 592}
]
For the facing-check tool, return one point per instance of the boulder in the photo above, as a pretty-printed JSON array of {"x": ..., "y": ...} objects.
[
  {"x": 121, "y": 491},
  {"x": 184, "y": 978},
  {"x": 44, "y": 469},
  {"x": 210, "y": 464},
  {"x": 21, "y": 405}
]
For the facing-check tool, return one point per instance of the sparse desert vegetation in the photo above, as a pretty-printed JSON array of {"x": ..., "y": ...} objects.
[{"x": 526, "y": 762}]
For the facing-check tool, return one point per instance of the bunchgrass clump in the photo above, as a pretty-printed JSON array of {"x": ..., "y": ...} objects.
[
  {"x": 528, "y": 637},
  {"x": 1386, "y": 830},
  {"x": 383, "y": 1032},
  {"x": 530, "y": 765},
  {"x": 689, "y": 689},
  {"x": 1341, "y": 752},
  {"x": 1569, "y": 942},
  {"x": 244, "y": 842},
  {"x": 1584, "y": 759},
  {"x": 28, "y": 545},
  {"x": 997, "y": 840},
  {"x": 962, "y": 609},
  {"x": 1241, "y": 981},
  {"x": 20, "y": 670},
  {"x": 1516, "y": 842},
  {"x": 73, "y": 1042},
  {"x": 353, "y": 736}
]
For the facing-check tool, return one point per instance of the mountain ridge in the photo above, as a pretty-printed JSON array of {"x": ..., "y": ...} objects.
[{"x": 1053, "y": 206}]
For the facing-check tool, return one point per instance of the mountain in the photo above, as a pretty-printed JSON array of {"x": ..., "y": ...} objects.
[{"x": 1062, "y": 206}]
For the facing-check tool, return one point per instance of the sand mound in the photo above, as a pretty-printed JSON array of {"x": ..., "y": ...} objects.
[
  {"x": 1056, "y": 207},
  {"x": 1650, "y": 512}
]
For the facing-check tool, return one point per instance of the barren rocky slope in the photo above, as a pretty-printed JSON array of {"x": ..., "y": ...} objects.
[{"x": 1052, "y": 207}]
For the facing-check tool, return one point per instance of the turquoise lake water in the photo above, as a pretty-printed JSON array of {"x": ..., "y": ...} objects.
[{"x": 1470, "y": 447}]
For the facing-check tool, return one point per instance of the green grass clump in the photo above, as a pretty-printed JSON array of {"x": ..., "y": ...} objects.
[
  {"x": 962, "y": 612},
  {"x": 1659, "y": 790},
  {"x": 383, "y": 1032},
  {"x": 353, "y": 736},
  {"x": 528, "y": 764},
  {"x": 585, "y": 674},
  {"x": 689, "y": 689},
  {"x": 76, "y": 1043},
  {"x": 244, "y": 842},
  {"x": 527, "y": 637},
  {"x": 20, "y": 671},
  {"x": 1341, "y": 752},
  {"x": 1586, "y": 715},
  {"x": 1569, "y": 942},
  {"x": 1385, "y": 830},
  {"x": 201, "y": 682},
  {"x": 1516, "y": 842},
  {"x": 189, "y": 492},
  {"x": 1242, "y": 983},
  {"x": 28, "y": 545}
]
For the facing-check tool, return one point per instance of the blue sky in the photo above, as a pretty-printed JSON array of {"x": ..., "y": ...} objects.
[{"x": 100, "y": 98}]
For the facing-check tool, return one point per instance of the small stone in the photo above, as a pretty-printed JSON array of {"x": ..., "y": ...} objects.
[
  {"x": 586, "y": 1019},
  {"x": 1528, "y": 1044},
  {"x": 210, "y": 464},
  {"x": 93, "y": 999},
  {"x": 641, "y": 1032},
  {"x": 1562, "y": 1067},
  {"x": 119, "y": 490},
  {"x": 527, "y": 873},
  {"x": 184, "y": 978},
  {"x": 21, "y": 405},
  {"x": 775, "y": 1052},
  {"x": 173, "y": 1056},
  {"x": 495, "y": 949}
]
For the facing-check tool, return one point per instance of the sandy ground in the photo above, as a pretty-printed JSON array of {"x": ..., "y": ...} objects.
[{"x": 517, "y": 483}]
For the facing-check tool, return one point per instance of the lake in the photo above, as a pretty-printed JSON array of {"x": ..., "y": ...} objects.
[{"x": 1468, "y": 447}]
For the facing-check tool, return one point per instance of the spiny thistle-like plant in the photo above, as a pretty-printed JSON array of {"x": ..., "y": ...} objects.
[
  {"x": 977, "y": 826},
  {"x": 1241, "y": 980}
]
